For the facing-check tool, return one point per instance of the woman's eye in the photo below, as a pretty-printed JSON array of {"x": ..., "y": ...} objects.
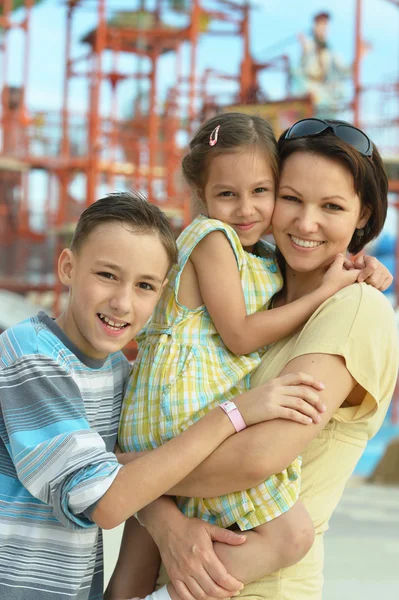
[
  {"x": 332, "y": 206},
  {"x": 106, "y": 275},
  {"x": 146, "y": 286}
]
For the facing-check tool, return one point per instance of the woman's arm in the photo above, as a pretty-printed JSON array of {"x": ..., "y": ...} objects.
[
  {"x": 221, "y": 290},
  {"x": 270, "y": 447}
]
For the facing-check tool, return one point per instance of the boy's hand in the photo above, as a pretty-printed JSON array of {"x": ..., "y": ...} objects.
[{"x": 373, "y": 272}]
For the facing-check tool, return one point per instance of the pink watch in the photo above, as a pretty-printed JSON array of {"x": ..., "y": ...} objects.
[{"x": 234, "y": 415}]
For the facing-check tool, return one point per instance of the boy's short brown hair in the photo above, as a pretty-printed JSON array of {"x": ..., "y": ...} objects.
[{"x": 126, "y": 207}]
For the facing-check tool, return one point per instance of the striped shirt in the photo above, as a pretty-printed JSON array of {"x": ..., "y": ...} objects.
[{"x": 58, "y": 425}]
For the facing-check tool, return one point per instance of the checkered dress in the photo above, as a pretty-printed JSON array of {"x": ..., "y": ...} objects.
[{"x": 183, "y": 369}]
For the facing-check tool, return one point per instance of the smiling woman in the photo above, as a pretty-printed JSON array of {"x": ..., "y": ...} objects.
[
  {"x": 208, "y": 334},
  {"x": 330, "y": 193}
]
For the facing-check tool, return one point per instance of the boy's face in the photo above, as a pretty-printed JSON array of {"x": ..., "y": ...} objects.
[{"x": 115, "y": 281}]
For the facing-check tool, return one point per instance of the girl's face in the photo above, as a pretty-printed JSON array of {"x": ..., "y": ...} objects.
[
  {"x": 317, "y": 211},
  {"x": 240, "y": 192}
]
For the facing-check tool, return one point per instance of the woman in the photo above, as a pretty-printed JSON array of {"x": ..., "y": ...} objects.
[{"x": 332, "y": 198}]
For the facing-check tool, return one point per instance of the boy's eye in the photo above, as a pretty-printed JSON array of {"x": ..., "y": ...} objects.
[
  {"x": 106, "y": 275},
  {"x": 146, "y": 286}
]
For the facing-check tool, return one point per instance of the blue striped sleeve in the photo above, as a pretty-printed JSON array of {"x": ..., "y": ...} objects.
[{"x": 58, "y": 458}]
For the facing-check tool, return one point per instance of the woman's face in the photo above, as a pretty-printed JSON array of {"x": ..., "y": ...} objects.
[{"x": 317, "y": 211}]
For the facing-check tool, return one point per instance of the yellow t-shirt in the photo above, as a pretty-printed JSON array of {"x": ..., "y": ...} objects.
[{"x": 358, "y": 324}]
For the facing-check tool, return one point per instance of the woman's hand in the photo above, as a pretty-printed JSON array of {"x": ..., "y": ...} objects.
[
  {"x": 186, "y": 548},
  {"x": 292, "y": 396}
]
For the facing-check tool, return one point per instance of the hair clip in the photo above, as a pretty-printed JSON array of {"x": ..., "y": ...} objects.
[{"x": 213, "y": 138}]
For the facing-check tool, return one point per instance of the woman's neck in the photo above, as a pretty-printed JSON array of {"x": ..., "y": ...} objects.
[{"x": 299, "y": 284}]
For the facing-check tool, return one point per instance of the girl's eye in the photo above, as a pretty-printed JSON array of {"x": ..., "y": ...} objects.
[
  {"x": 332, "y": 206},
  {"x": 291, "y": 198},
  {"x": 146, "y": 286},
  {"x": 260, "y": 190},
  {"x": 106, "y": 275},
  {"x": 226, "y": 194}
]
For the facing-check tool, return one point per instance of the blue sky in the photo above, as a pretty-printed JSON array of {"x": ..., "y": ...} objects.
[{"x": 272, "y": 21}]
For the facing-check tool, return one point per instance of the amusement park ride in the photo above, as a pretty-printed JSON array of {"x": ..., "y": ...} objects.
[{"x": 100, "y": 148}]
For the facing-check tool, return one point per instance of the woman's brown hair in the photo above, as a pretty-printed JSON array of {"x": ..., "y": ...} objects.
[{"x": 369, "y": 177}]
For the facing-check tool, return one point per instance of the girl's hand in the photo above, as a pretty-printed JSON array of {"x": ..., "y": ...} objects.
[
  {"x": 339, "y": 275},
  {"x": 373, "y": 272},
  {"x": 292, "y": 396},
  {"x": 194, "y": 569}
]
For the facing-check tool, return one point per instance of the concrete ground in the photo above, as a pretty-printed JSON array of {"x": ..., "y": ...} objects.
[{"x": 362, "y": 545}]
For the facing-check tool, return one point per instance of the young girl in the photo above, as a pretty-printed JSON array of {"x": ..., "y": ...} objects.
[{"x": 209, "y": 332}]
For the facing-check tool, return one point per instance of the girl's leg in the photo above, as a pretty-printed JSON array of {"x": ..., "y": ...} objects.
[
  {"x": 138, "y": 564},
  {"x": 277, "y": 544}
]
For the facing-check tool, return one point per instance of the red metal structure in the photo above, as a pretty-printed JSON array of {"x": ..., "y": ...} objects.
[{"x": 121, "y": 59}]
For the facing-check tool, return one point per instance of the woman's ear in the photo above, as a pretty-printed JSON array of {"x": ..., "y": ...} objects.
[
  {"x": 65, "y": 266},
  {"x": 364, "y": 217}
]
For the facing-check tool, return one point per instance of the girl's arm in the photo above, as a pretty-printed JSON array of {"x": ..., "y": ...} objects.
[
  {"x": 143, "y": 480},
  {"x": 221, "y": 290},
  {"x": 270, "y": 447}
]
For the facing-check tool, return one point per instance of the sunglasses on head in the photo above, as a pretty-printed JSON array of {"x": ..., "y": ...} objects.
[{"x": 345, "y": 132}]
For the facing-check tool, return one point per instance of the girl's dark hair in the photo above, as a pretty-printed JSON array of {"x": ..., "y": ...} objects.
[
  {"x": 237, "y": 131},
  {"x": 370, "y": 180},
  {"x": 126, "y": 207}
]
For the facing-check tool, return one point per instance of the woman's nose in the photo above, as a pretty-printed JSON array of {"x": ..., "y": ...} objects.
[{"x": 306, "y": 222}]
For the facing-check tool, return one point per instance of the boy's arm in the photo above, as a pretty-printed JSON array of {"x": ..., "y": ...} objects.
[
  {"x": 58, "y": 458},
  {"x": 221, "y": 291}
]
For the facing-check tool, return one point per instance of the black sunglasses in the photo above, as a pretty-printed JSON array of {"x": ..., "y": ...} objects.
[{"x": 345, "y": 132}]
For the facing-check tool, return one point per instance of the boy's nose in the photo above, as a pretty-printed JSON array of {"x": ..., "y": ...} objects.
[{"x": 122, "y": 302}]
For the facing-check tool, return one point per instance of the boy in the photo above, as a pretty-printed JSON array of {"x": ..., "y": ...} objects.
[{"x": 61, "y": 386}]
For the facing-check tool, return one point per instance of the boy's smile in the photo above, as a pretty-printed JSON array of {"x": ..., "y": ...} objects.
[{"x": 115, "y": 281}]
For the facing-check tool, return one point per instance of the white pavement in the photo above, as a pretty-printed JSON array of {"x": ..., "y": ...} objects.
[{"x": 362, "y": 545}]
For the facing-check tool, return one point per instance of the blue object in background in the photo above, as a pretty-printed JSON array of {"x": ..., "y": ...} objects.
[
  {"x": 375, "y": 448},
  {"x": 384, "y": 249}
]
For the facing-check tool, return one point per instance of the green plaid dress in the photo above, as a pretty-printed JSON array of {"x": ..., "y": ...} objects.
[{"x": 183, "y": 369}]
